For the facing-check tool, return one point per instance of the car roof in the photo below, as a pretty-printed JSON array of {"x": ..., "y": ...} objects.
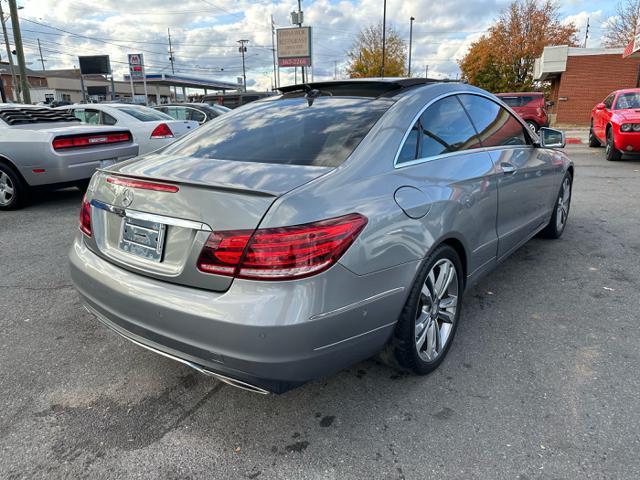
[
  {"x": 362, "y": 87},
  {"x": 519, "y": 94},
  {"x": 627, "y": 90}
]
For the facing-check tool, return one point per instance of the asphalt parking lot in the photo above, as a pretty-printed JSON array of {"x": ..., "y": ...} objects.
[{"x": 542, "y": 381}]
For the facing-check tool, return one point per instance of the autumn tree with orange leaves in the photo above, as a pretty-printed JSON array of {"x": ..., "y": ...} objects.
[{"x": 503, "y": 59}]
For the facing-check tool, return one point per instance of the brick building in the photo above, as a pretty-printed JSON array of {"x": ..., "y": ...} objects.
[
  {"x": 582, "y": 77},
  {"x": 35, "y": 79}
]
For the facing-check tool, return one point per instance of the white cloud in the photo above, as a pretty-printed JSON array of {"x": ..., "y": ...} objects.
[{"x": 205, "y": 32}]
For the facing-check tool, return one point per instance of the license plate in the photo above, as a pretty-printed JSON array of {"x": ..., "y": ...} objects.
[
  {"x": 143, "y": 238},
  {"x": 107, "y": 163}
]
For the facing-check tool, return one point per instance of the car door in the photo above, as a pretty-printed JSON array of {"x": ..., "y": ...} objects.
[
  {"x": 527, "y": 176},
  {"x": 602, "y": 117},
  {"x": 442, "y": 156},
  {"x": 195, "y": 115}
]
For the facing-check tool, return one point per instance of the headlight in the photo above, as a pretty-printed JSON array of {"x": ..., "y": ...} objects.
[
  {"x": 626, "y": 127},
  {"x": 636, "y": 127}
]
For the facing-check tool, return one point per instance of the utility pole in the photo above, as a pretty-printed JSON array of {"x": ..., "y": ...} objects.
[
  {"x": 426, "y": 71},
  {"x": 302, "y": 69},
  {"x": 173, "y": 70},
  {"x": 14, "y": 80},
  {"x": 17, "y": 38},
  {"x": 384, "y": 35},
  {"x": 243, "y": 49},
  {"x": 586, "y": 34},
  {"x": 410, "y": 42},
  {"x": 273, "y": 50},
  {"x": 41, "y": 59},
  {"x": 335, "y": 69}
]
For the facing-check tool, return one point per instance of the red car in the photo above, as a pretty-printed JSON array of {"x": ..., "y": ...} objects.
[
  {"x": 615, "y": 123},
  {"x": 530, "y": 106}
]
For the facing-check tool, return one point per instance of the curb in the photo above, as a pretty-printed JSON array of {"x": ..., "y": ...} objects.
[{"x": 574, "y": 141}]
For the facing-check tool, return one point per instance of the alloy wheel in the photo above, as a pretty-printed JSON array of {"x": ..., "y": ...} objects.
[
  {"x": 564, "y": 200},
  {"x": 436, "y": 312},
  {"x": 6, "y": 189}
]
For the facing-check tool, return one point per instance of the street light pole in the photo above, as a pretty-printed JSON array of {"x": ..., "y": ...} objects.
[
  {"x": 14, "y": 80},
  {"x": 410, "y": 42},
  {"x": 17, "y": 37},
  {"x": 244, "y": 72},
  {"x": 384, "y": 35}
]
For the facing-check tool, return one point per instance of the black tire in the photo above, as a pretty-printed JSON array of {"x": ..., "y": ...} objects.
[
  {"x": 593, "y": 140},
  {"x": 402, "y": 350},
  {"x": 13, "y": 191},
  {"x": 611, "y": 153},
  {"x": 532, "y": 125},
  {"x": 554, "y": 228}
]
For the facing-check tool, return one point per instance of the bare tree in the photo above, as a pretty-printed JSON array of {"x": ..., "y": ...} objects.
[{"x": 621, "y": 28}]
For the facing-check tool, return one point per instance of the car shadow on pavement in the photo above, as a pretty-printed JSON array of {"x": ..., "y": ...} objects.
[{"x": 39, "y": 197}]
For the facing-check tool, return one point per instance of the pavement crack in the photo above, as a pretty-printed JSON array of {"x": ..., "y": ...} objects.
[{"x": 195, "y": 408}]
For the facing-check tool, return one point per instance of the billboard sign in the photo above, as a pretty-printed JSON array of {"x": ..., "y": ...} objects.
[
  {"x": 294, "y": 47},
  {"x": 95, "y": 65},
  {"x": 136, "y": 66}
]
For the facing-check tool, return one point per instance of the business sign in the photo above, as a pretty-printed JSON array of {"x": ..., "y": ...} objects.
[
  {"x": 136, "y": 66},
  {"x": 294, "y": 47},
  {"x": 94, "y": 65}
]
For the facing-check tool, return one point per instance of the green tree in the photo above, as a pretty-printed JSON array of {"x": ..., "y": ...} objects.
[
  {"x": 365, "y": 56},
  {"x": 503, "y": 59}
]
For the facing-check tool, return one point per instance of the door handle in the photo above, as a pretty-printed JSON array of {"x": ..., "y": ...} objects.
[{"x": 507, "y": 168}]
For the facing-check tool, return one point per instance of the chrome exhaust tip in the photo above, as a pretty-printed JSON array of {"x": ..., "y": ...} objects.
[{"x": 233, "y": 382}]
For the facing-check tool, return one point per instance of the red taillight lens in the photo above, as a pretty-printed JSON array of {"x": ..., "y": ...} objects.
[
  {"x": 85, "y": 217},
  {"x": 76, "y": 141},
  {"x": 130, "y": 182},
  {"x": 162, "y": 131},
  {"x": 280, "y": 253}
]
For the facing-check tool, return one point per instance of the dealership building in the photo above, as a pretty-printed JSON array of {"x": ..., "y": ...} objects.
[{"x": 582, "y": 77}]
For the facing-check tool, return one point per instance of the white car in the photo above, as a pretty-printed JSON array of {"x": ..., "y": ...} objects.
[{"x": 151, "y": 129}]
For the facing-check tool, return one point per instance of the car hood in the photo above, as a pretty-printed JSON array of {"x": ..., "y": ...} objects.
[
  {"x": 630, "y": 115},
  {"x": 271, "y": 179}
]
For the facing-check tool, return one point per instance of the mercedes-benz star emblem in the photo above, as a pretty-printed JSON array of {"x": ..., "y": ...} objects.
[{"x": 127, "y": 197}]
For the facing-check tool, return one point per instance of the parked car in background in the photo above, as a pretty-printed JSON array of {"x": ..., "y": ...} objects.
[
  {"x": 615, "y": 123},
  {"x": 530, "y": 106},
  {"x": 199, "y": 112},
  {"x": 44, "y": 147},
  {"x": 234, "y": 100},
  {"x": 151, "y": 129},
  {"x": 311, "y": 230}
]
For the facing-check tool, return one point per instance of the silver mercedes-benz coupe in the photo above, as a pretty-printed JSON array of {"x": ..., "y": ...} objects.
[{"x": 305, "y": 232}]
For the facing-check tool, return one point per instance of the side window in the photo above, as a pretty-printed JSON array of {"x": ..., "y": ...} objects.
[
  {"x": 92, "y": 117},
  {"x": 409, "y": 149},
  {"x": 196, "y": 115},
  {"x": 79, "y": 114},
  {"x": 608, "y": 102},
  {"x": 445, "y": 128},
  {"x": 495, "y": 125},
  {"x": 108, "y": 119}
]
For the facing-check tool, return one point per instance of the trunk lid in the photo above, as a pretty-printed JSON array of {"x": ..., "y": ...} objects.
[{"x": 211, "y": 194}]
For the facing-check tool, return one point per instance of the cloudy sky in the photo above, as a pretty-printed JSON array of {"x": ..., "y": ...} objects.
[{"x": 204, "y": 32}]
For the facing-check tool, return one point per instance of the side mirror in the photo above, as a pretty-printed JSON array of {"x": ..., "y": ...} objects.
[
  {"x": 601, "y": 106},
  {"x": 550, "y": 138}
]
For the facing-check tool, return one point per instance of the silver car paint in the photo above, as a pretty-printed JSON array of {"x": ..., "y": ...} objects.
[
  {"x": 30, "y": 146},
  {"x": 293, "y": 331}
]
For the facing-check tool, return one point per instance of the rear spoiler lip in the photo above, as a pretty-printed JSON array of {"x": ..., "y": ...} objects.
[{"x": 208, "y": 185}]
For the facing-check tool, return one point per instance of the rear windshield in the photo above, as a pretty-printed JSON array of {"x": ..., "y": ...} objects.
[
  {"x": 144, "y": 114},
  {"x": 628, "y": 100},
  {"x": 286, "y": 131}
]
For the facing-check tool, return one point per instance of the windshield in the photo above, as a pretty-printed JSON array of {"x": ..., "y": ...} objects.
[
  {"x": 144, "y": 114},
  {"x": 628, "y": 100},
  {"x": 286, "y": 130}
]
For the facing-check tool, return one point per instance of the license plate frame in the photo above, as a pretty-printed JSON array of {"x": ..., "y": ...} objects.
[{"x": 143, "y": 238}]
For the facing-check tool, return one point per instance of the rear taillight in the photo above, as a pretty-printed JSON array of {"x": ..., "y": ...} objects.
[
  {"x": 162, "y": 131},
  {"x": 85, "y": 217},
  {"x": 280, "y": 253},
  {"x": 143, "y": 185},
  {"x": 76, "y": 141}
]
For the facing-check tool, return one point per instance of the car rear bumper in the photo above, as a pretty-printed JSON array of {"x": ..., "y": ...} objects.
[
  {"x": 270, "y": 335},
  {"x": 73, "y": 166}
]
